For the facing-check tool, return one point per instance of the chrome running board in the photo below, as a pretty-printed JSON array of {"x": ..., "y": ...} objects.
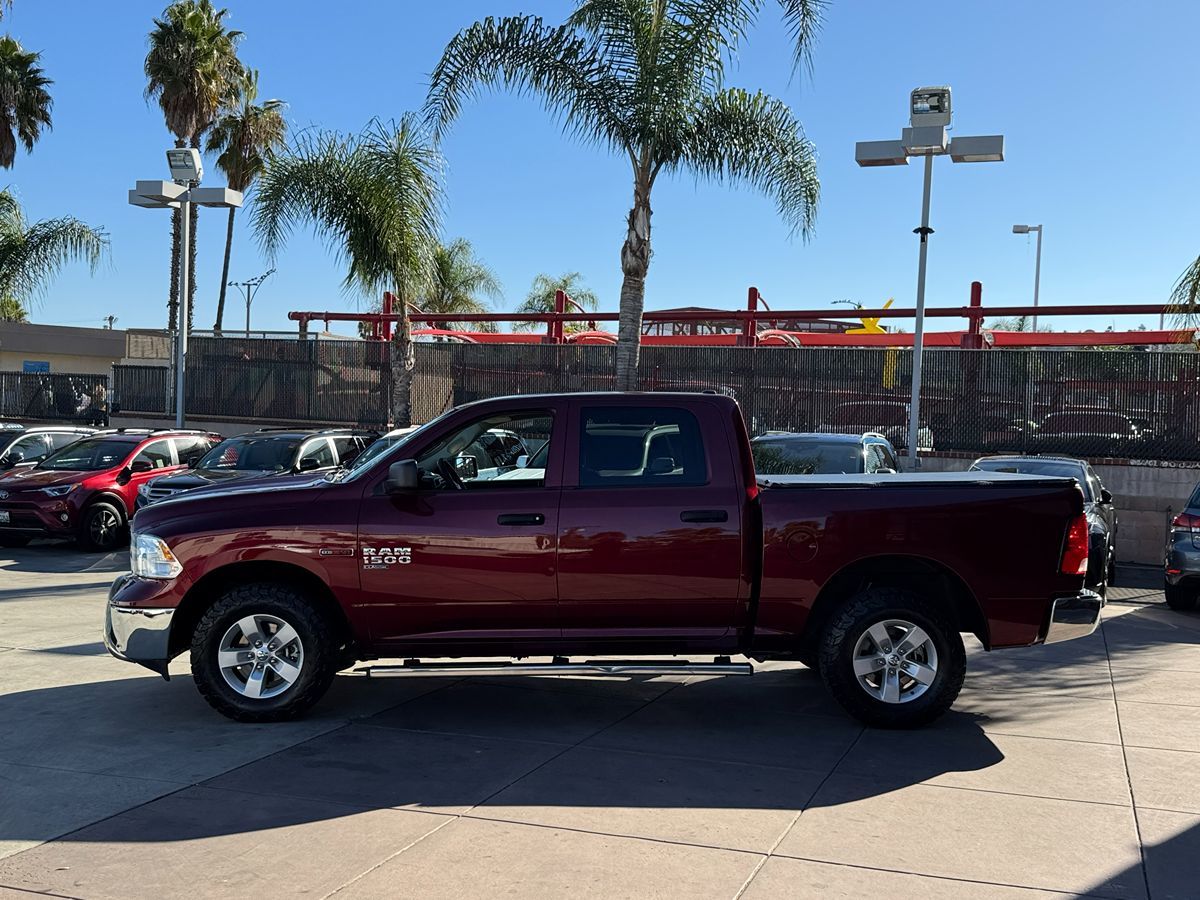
[{"x": 414, "y": 667}]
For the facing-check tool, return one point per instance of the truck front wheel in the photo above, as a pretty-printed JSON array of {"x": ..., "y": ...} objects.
[
  {"x": 891, "y": 658},
  {"x": 263, "y": 653}
]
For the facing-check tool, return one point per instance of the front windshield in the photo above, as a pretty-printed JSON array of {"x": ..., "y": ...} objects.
[
  {"x": 88, "y": 456},
  {"x": 1038, "y": 467},
  {"x": 251, "y": 454},
  {"x": 807, "y": 458}
]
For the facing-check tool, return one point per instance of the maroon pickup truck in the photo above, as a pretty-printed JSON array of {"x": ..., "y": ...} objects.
[{"x": 626, "y": 531}]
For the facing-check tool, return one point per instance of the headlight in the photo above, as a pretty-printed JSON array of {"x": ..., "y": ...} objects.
[
  {"x": 60, "y": 491},
  {"x": 150, "y": 557}
]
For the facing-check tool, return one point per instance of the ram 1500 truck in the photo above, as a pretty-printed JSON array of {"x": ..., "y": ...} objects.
[{"x": 634, "y": 527}]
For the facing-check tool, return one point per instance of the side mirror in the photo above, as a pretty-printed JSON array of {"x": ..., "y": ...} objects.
[
  {"x": 308, "y": 464},
  {"x": 15, "y": 458},
  {"x": 123, "y": 475},
  {"x": 1105, "y": 497},
  {"x": 140, "y": 465},
  {"x": 523, "y": 461},
  {"x": 466, "y": 466},
  {"x": 661, "y": 465},
  {"x": 192, "y": 461},
  {"x": 402, "y": 477}
]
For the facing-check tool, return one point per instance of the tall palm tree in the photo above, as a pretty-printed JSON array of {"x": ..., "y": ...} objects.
[
  {"x": 192, "y": 70},
  {"x": 458, "y": 282},
  {"x": 25, "y": 103},
  {"x": 244, "y": 136},
  {"x": 540, "y": 298},
  {"x": 376, "y": 200},
  {"x": 32, "y": 253},
  {"x": 645, "y": 78}
]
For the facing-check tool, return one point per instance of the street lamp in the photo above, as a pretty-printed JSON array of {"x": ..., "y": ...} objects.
[
  {"x": 929, "y": 109},
  {"x": 251, "y": 286},
  {"x": 180, "y": 193},
  {"x": 1037, "y": 266}
]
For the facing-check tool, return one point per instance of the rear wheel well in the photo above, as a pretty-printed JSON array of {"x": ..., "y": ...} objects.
[
  {"x": 209, "y": 588},
  {"x": 932, "y": 580}
]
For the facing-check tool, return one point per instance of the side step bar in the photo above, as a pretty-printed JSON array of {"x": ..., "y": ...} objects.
[{"x": 561, "y": 666}]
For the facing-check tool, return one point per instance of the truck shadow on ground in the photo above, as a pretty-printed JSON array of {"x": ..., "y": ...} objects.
[
  {"x": 502, "y": 748},
  {"x": 62, "y": 558}
]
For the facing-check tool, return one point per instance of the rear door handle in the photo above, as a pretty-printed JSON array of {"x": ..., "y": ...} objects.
[
  {"x": 520, "y": 519},
  {"x": 704, "y": 515}
]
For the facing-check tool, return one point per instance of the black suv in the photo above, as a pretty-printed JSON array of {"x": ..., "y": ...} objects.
[
  {"x": 22, "y": 445},
  {"x": 792, "y": 453},
  {"x": 266, "y": 452}
]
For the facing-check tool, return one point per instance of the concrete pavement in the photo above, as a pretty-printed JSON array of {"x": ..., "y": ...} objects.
[{"x": 1070, "y": 770}]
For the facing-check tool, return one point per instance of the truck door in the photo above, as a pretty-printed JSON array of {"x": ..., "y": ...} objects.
[
  {"x": 649, "y": 524},
  {"x": 467, "y": 558}
]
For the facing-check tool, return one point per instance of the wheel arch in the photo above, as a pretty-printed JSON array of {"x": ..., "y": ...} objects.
[
  {"x": 933, "y": 580},
  {"x": 208, "y": 588},
  {"x": 111, "y": 498}
]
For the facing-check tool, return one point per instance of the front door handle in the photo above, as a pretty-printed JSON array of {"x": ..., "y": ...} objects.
[
  {"x": 704, "y": 515},
  {"x": 520, "y": 519}
]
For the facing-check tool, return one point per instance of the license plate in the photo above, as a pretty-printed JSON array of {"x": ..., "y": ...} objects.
[{"x": 4, "y": 520}]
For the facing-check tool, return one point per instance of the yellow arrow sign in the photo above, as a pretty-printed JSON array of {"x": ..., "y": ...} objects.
[{"x": 870, "y": 324}]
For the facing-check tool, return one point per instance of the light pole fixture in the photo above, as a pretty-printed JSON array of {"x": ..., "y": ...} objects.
[
  {"x": 250, "y": 286},
  {"x": 180, "y": 193},
  {"x": 1037, "y": 266},
  {"x": 929, "y": 119}
]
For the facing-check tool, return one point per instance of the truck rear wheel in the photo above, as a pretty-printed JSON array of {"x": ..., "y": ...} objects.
[
  {"x": 263, "y": 653},
  {"x": 891, "y": 658}
]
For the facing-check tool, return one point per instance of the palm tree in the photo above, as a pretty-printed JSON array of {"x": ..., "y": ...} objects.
[
  {"x": 457, "y": 282},
  {"x": 376, "y": 199},
  {"x": 192, "y": 70},
  {"x": 244, "y": 136},
  {"x": 1185, "y": 298},
  {"x": 24, "y": 101},
  {"x": 540, "y": 298},
  {"x": 645, "y": 78},
  {"x": 32, "y": 253}
]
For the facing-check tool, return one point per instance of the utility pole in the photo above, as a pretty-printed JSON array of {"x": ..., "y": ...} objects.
[
  {"x": 250, "y": 287},
  {"x": 108, "y": 322}
]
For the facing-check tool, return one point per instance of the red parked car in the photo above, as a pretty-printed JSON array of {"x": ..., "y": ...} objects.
[
  {"x": 87, "y": 489},
  {"x": 633, "y": 526}
]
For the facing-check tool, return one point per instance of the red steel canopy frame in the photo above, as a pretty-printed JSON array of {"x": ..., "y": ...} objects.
[{"x": 758, "y": 326}]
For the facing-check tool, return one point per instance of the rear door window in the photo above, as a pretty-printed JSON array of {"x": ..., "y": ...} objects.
[
  {"x": 32, "y": 447},
  {"x": 644, "y": 446}
]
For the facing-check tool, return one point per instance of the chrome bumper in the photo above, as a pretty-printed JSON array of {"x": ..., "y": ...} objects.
[
  {"x": 1073, "y": 617},
  {"x": 137, "y": 635}
]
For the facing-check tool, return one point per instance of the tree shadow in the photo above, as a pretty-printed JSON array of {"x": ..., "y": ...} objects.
[{"x": 62, "y": 558}]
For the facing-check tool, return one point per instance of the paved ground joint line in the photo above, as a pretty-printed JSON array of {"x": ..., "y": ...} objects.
[{"x": 1137, "y": 825}]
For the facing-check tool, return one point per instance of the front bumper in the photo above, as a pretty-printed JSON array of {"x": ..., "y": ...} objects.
[
  {"x": 1073, "y": 617},
  {"x": 52, "y": 516},
  {"x": 139, "y": 635}
]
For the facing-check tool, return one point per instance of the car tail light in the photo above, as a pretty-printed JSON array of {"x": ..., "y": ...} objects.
[
  {"x": 1186, "y": 522},
  {"x": 1075, "y": 547}
]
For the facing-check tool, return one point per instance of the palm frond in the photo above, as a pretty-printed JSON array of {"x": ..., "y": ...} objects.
[
  {"x": 804, "y": 19},
  {"x": 522, "y": 54},
  {"x": 1184, "y": 303},
  {"x": 754, "y": 139},
  {"x": 31, "y": 256}
]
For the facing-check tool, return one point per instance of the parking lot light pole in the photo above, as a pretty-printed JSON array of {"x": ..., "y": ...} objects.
[
  {"x": 1037, "y": 266},
  {"x": 180, "y": 193},
  {"x": 926, "y": 136}
]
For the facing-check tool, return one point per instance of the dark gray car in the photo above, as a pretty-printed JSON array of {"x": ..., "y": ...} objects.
[
  {"x": 1097, "y": 504},
  {"x": 1183, "y": 557}
]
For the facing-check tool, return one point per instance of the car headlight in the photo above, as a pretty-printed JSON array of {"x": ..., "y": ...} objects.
[
  {"x": 150, "y": 557},
  {"x": 60, "y": 491}
]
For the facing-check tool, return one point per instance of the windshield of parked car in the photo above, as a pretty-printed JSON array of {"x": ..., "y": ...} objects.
[
  {"x": 807, "y": 457},
  {"x": 251, "y": 454},
  {"x": 88, "y": 456},
  {"x": 1053, "y": 468}
]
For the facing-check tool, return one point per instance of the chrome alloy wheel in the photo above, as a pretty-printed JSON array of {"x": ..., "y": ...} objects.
[
  {"x": 103, "y": 527},
  {"x": 895, "y": 661},
  {"x": 260, "y": 656}
]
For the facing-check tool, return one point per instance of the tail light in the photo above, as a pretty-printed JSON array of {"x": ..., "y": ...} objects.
[
  {"x": 1075, "y": 547},
  {"x": 1186, "y": 522}
]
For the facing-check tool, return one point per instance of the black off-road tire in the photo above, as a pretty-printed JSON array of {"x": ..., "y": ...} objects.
[
  {"x": 87, "y": 538},
  {"x": 848, "y": 624},
  {"x": 1111, "y": 578},
  {"x": 320, "y": 647},
  {"x": 1180, "y": 598},
  {"x": 14, "y": 542}
]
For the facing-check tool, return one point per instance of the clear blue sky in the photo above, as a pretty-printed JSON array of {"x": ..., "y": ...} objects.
[{"x": 1097, "y": 102}]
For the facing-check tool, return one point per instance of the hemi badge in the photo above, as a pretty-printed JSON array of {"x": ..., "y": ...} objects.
[{"x": 336, "y": 551}]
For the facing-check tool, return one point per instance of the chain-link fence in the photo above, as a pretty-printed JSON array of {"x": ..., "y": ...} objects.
[
  {"x": 58, "y": 396},
  {"x": 1095, "y": 403}
]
